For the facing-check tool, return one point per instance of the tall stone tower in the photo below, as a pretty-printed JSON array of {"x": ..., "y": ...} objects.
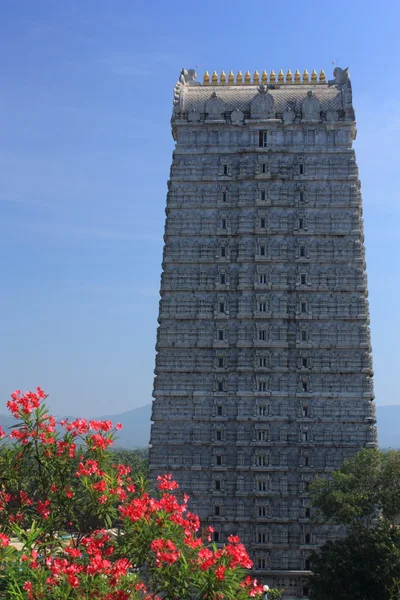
[{"x": 263, "y": 372}]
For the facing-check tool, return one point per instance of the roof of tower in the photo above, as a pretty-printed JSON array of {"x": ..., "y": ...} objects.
[{"x": 280, "y": 94}]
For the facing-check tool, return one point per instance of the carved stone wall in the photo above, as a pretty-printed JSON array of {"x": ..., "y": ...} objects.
[{"x": 263, "y": 370}]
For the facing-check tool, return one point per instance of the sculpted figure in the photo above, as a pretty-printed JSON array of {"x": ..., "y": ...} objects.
[
  {"x": 215, "y": 107},
  {"x": 262, "y": 105},
  {"x": 341, "y": 76},
  {"x": 311, "y": 107}
]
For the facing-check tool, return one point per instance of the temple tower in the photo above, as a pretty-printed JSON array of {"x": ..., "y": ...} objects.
[{"x": 263, "y": 370}]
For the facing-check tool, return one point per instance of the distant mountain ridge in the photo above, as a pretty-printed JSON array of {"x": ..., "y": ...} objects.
[{"x": 136, "y": 423}]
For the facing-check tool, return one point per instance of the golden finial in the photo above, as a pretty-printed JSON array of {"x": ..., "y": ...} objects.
[
  {"x": 314, "y": 76},
  {"x": 305, "y": 76},
  {"x": 297, "y": 76},
  {"x": 281, "y": 77},
  {"x": 264, "y": 78},
  {"x": 247, "y": 78},
  {"x": 272, "y": 77},
  {"x": 231, "y": 78},
  {"x": 214, "y": 78},
  {"x": 222, "y": 78},
  {"x": 206, "y": 78},
  {"x": 256, "y": 77},
  {"x": 239, "y": 78},
  {"x": 289, "y": 76},
  {"x": 322, "y": 76}
]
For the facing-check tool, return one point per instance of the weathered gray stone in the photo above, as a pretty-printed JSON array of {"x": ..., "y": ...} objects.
[{"x": 263, "y": 371}]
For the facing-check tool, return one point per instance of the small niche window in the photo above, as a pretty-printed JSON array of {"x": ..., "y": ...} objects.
[
  {"x": 301, "y": 169},
  {"x": 224, "y": 196},
  {"x": 307, "y": 513},
  {"x": 303, "y": 279},
  {"x": 218, "y": 484},
  {"x": 262, "y": 410},
  {"x": 301, "y": 196},
  {"x": 263, "y": 195},
  {"x": 220, "y": 386},
  {"x": 301, "y": 223},
  {"x": 305, "y": 411},
  {"x": 304, "y": 362},
  {"x": 262, "y": 307},
  {"x": 262, "y": 435},
  {"x": 222, "y": 278},
  {"x": 221, "y": 336},
  {"x": 262, "y": 511},
  {"x": 218, "y": 435},
  {"x": 262, "y": 386},
  {"x": 261, "y": 563},
  {"x": 262, "y": 335},
  {"x": 261, "y": 538},
  {"x": 218, "y": 460},
  {"x": 304, "y": 437},
  {"x": 304, "y": 336},
  {"x": 225, "y": 169},
  {"x": 261, "y": 460},
  {"x": 262, "y": 139},
  {"x": 222, "y": 307},
  {"x": 262, "y": 223},
  {"x": 219, "y": 409},
  {"x": 306, "y": 461},
  {"x": 262, "y": 250},
  {"x": 262, "y": 362},
  {"x": 216, "y": 536},
  {"x": 264, "y": 168},
  {"x": 220, "y": 363},
  {"x": 304, "y": 307},
  {"x": 217, "y": 510},
  {"x": 261, "y": 485},
  {"x": 223, "y": 223},
  {"x": 302, "y": 251},
  {"x": 262, "y": 278},
  {"x": 307, "y": 564},
  {"x": 305, "y": 386},
  {"x": 223, "y": 251}
]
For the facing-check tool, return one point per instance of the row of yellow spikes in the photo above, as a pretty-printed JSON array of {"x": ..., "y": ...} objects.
[{"x": 264, "y": 78}]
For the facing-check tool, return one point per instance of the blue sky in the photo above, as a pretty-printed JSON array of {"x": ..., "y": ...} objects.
[{"x": 85, "y": 150}]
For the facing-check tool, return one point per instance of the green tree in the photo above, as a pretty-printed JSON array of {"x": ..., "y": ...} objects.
[
  {"x": 362, "y": 566},
  {"x": 363, "y": 495}
]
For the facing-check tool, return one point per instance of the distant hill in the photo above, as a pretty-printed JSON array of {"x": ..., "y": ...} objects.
[{"x": 135, "y": 431}]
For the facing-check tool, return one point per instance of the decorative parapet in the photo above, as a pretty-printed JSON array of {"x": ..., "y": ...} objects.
[{"x": 265, "y": 78}]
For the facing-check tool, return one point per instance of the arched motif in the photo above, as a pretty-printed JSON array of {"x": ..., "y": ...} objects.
[{"x": 262, "y": 105}]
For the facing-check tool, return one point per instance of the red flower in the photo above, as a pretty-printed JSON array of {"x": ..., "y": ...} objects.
[
  {"x": 166, "y": 482},
  {"x": 4, "y": 540},
  {"x": 220, "y": 572}
]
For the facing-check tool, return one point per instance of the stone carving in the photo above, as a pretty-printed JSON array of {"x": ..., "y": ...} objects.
[
  {"x": 188, "y": 77},
  {"x": 237, "y": 116},
  {"x": 289, "y": 115},
  {"x": 311, "y": 108},
  {"x": 262, "y": 105},
  {"x": 341, "y": 76},
  {"x": 194, "y": 116},
  {"x": 332, "y": 116},
  {"x": 215, "y": 107}
]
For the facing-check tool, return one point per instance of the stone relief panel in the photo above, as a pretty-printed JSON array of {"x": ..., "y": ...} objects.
[{"x": 262, "y": 106}]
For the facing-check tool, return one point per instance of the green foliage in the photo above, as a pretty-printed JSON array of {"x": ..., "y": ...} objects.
[
  {"x": 364, "y": 495},
  {"x": 362, "y": 566},
  {"x": 365, "y": 487}
]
